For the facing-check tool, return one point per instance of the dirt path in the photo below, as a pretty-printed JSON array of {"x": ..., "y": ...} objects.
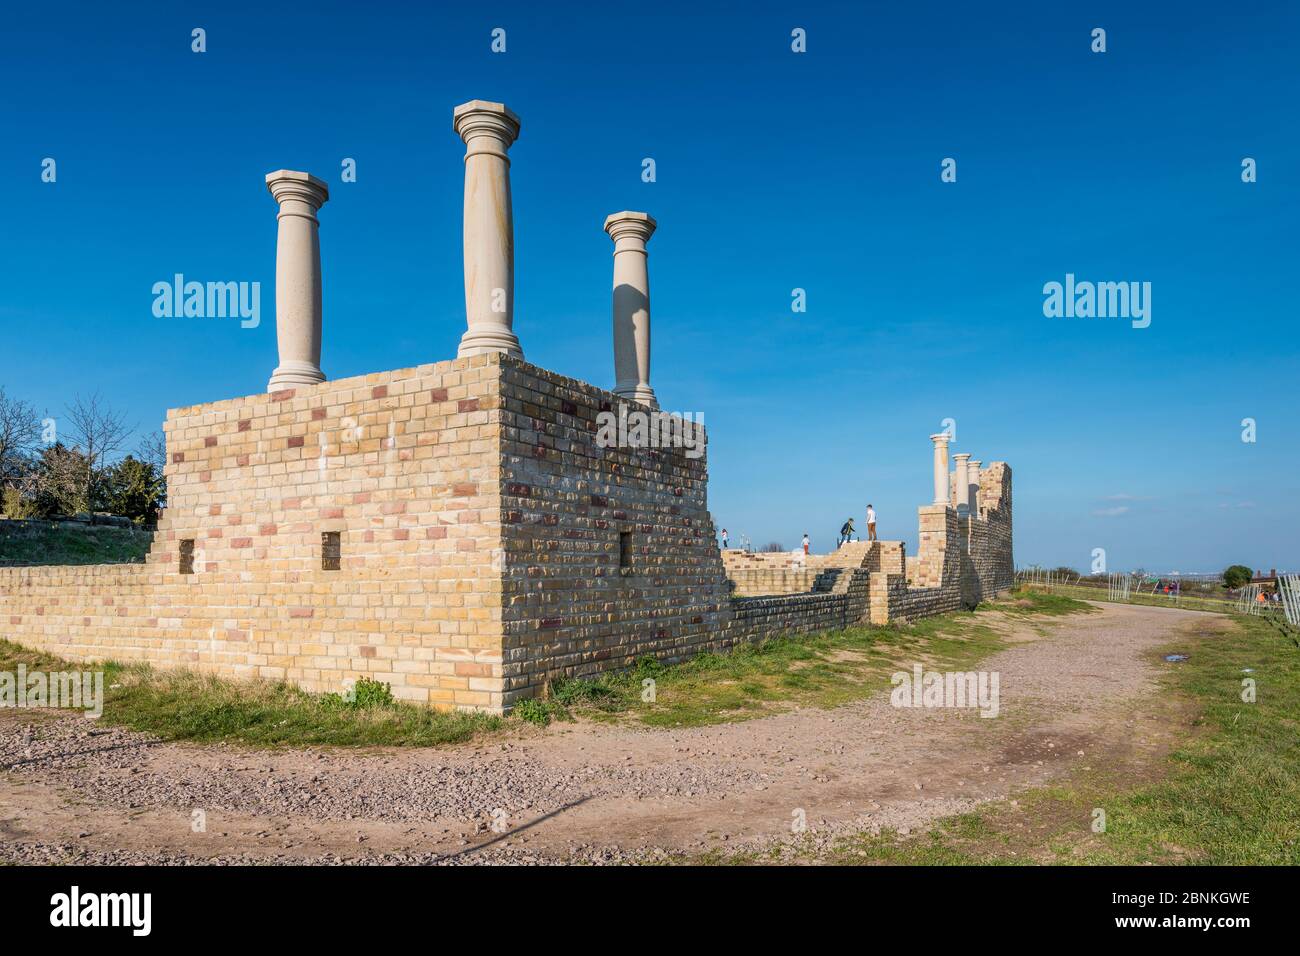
[{"x": 71, "y": 791}]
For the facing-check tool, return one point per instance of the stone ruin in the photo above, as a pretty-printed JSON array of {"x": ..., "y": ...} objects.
[{"x": 456, "y": 529}]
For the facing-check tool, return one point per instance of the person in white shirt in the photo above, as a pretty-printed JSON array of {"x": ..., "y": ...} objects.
[
  {"x": 805, "y": 542},
  {"x": 724, "y": 539},
  {"x": 871, "y": 523}
]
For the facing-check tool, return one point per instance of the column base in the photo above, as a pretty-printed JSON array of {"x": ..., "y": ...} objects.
[
  {"x": 638, "y": 393},
  {"x": 479, "y": 341},
  {"x": 293, "y": 373}
]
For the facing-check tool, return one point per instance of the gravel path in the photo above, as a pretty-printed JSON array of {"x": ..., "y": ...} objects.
[{"x": 72, "y": 791}]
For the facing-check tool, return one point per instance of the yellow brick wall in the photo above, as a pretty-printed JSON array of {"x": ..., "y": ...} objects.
[
  {"x": 405, "y": 465},
  {"x": 479, "y": 524}
]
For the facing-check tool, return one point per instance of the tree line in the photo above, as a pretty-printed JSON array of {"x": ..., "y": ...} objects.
[{"x": 74, "y": 465}]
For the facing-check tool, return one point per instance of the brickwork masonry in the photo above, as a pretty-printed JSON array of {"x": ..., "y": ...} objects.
[{"x": 486, "y": 546}]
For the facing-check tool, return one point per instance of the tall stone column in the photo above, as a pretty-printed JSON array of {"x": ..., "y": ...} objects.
[
  {"x": 630, "y": 232},
  {"x": 297, "y": 278},
  {"x": 961, "y": 486},
  {"x": 488, "y": 130},
  {"x": 973, "y": 482},
  {"x": 940, "y": 468}
]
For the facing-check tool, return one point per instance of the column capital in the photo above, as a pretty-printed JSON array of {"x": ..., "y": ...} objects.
[
  {"x": 290, "y": 184},
  {"x": 961, "y": 456},
  {"x": 482, "y": 119},
  {"x": 630, "y": 225},
  {"x": 940, "y": 439},
  {"x": 975, "y": 463}
]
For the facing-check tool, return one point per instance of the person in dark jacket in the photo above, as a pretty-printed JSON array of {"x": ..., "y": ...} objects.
[{"x": 846, "y": 531}]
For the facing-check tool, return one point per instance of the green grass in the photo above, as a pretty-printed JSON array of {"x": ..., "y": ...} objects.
[
  {"x": 182, "y": 705},
  {"x": 1228, "y": 795},
  {"x": 39, "y": 543},
  {"x": 817, "y": 670}
]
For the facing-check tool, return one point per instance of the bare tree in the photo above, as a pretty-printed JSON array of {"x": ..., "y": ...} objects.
[
  {"x": 98, "y": 433},
  {"x": 57, "y": 484},
  {"x": 153, "y": 449},
  {"x": 20, "y": 429}
]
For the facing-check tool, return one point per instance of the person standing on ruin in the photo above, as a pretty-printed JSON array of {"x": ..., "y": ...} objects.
[
  {"x": 846, "y": 532},
  {"x": 724, "y": 539},
  {"x": 805, "y": 543},
  {"x": 871, "y": 523}
]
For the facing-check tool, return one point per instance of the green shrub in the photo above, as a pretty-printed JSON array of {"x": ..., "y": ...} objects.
[
  {"x": 1238, "y": 575},
  {"x": 365, "y": 694},
  {"x": 16, "y": 506},
  {"x": 534, "y": 711},
  {"x": 647, "y": 666}
]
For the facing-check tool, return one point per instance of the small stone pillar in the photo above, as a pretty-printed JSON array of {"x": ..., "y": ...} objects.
[
  {"x": 631, "y": 310},
  {"x": 973, "y": 482},
  {"x": 488, "y": 130},
  {"x": 940, "y": 468},
  {"x": 961, "y": 486},
  {"x": 297, "y": 278}
]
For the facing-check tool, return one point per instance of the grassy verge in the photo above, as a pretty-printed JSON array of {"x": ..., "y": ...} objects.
[
  {"x": 818, "y": 670},
  {"x": 31, "y": 544},
  {"x": 1228, "y": 795},
  {"x": 182, "y": 705}
]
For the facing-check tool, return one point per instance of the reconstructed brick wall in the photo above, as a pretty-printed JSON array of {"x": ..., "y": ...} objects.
[
  {"x": 479, "y": 524},
  {"x": 404, "y": 465},
  {"x": 989, "y": 544},
  {"x": 569, "y": 609},
  {"x": 963, "y": 560},
  {"x": 757, "y": 583}
]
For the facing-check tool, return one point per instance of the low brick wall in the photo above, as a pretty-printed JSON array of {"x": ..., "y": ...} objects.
[{"x": 755, "y": 582}]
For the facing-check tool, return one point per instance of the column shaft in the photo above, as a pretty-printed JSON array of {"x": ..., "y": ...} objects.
[
  {"x": 488, "y": 130},
  {"x": 940, "y": 468},
  {"x": 631, "y": 305},
  {"x": 297, "y": 278},
  {"x": 973, "y": 482},
  {"x": 961, "y": 485}
]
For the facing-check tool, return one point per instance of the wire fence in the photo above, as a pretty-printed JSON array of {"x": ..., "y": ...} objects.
[
  {"x": 1045, "y": 577},
  {"x": 1153, "y": 592}
]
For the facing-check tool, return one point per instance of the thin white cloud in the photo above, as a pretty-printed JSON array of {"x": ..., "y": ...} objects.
[{"x": 1110, "y": 512}]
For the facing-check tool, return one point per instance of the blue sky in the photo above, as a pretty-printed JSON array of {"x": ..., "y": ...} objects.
[{"x": 775, "y": 171}]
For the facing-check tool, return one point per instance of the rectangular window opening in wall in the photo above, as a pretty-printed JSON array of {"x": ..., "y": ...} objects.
[
  {"x": 625, "y": 551},
  {"x": 331, "y": 550},
  {"x": 187, "y": 556}
]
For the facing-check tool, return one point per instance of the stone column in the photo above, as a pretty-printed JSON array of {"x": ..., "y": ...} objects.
[
  {"x": 961, "y": 485},
  {"x": 973, "y": 478},
  {"x": 630, "y": 232},
  {"x": 297, "y": 278},
  {"x": 940, "y": 468},
  {"x": 488, "y": 130}
]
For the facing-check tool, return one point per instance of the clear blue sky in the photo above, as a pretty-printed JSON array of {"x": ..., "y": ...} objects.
[{"x": 775, "y": 170}]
